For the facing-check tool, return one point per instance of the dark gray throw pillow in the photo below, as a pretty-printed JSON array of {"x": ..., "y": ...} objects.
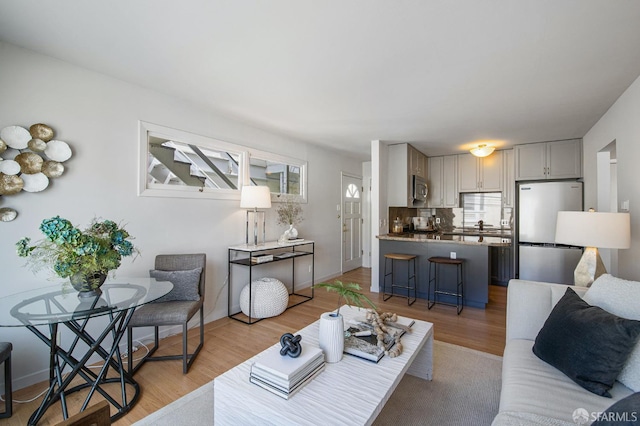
[
  {"x": 185, "y": 284},
  {"x": 587, "y": 343},
  {"x": 622, "y": 413}
]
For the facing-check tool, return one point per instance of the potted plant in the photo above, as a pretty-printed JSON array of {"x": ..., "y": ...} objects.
[
  {"x": 83, "y": 256},
  {"x": 289, "y": 213},
  {"x": 331, "y": 333}
]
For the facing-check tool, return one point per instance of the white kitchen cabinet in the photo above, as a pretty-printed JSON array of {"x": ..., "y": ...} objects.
[
  {"x": 450, "y": 181},
  {"x": 509, "y": 178},
  {"x": 549, "y": 160},
  {"x": 467, "y": 173},
  {"x": 564, "y": 159},
  {"x": 403, "y": 163},
  {"x": 443, "y": 176},
  {"x": 476, "y": 174}
]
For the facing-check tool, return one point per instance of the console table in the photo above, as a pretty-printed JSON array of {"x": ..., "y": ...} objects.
[
  {"x": 241, "y": 255},
  {"x": 98, "y": 324},
  {"x": 352, "y": 391}
]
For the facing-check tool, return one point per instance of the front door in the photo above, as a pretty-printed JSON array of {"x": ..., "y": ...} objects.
[{"x": 351, "y": 222}]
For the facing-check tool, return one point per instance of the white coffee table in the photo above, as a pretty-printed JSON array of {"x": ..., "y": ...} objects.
[{"x": 350, "y": 392}]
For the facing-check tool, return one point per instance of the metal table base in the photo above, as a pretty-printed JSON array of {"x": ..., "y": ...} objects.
[{"x": 61, "y": 358}]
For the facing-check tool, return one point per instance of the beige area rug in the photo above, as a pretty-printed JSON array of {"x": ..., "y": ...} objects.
[{"x": 465, "y": 390}]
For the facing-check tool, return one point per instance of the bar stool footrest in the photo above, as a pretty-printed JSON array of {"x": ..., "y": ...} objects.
[{"x": 410, "y": 276}]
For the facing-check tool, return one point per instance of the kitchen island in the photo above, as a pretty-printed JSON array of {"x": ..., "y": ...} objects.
[{"x": 474, "y": 248}]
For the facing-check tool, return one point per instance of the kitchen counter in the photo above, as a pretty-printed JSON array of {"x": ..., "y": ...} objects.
[
  {"x": 475, "y": 249},
  {"x": 489, "y": 239}
]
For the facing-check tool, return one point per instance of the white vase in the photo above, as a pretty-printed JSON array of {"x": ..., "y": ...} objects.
[
  {"x": 293, "y": 232},
  {"x": 331, "y": 336}
]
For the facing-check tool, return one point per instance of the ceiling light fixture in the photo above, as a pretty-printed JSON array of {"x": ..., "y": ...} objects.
[{"x": 482, "y": 150}]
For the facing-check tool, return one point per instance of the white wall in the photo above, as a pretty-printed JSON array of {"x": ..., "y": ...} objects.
[
  {"x": 379, "y": 210},
  {"x": 98, "y": 116},
  {"x": 620, "y": 124},
  {"x": 366, "y": 210}
]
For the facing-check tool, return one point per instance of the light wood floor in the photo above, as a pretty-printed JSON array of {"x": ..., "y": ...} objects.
[{"x": 229, "y": 342}]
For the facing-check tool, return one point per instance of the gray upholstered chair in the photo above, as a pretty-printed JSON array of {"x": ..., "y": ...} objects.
[
  {"x": 5, "y": 356},
  {"x": 176, "y": 308}
]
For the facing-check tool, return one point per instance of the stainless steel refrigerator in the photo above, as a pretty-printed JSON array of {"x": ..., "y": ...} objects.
[{"x": 539, "y": 258}]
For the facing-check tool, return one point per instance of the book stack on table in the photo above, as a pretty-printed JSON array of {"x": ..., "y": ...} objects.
[
  {"x": 283, "y": 375},
  {"x": 261, "y": 258}
]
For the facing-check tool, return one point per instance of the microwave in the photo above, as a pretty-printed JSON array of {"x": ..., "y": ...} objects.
[{"x": 420, "y": 190}]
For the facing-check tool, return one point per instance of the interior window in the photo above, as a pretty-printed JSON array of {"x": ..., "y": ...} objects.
[
  {"x": 177, "y": 163},
  {"x": 283, "y": 175},
  {"x": 174, "y": 163}
]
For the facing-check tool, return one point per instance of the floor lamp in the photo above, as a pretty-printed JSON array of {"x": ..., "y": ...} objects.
[
  {"x": 253, "y": 198},
  {"x": 592, "y": 230}
]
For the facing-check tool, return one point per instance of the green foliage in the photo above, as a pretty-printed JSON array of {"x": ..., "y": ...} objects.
[
  {"x": 68, "y": 250},
  {"x": 350, "y": 292}
]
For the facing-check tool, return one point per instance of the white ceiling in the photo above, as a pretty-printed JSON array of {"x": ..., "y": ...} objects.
[{"x": 439, "y": 74}]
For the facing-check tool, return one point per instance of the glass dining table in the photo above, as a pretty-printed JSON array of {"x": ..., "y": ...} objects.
[{"x": 97, "y": 324}]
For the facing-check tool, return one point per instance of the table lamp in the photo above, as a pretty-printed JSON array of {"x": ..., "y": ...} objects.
[
  {"x": 253, "y": 198},
  {"x": 592, "y": 230}
]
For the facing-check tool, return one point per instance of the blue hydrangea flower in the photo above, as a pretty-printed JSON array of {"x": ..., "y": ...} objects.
[
  {"x": 125, "y": 248},
  {"x": 118, "y": 236},
  {"x": 23, "y": 248},
  {"x": 55, "y": 228},
  {"x": 70, "y": 251}
]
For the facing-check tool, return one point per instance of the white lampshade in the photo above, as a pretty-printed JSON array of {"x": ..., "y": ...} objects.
[
  {"x": 255, "y": 197},
  {"x": 482, "y": 150},
  {"x": 594, "y": 229}
]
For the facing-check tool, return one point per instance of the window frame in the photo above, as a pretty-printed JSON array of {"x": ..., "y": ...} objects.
[
  {"x": 146, "y": 189},
  {"x": 288, "y": 161}
]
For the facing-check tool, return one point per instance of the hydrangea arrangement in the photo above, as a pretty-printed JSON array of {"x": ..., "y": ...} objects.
[{"x": 70, "y": 251}]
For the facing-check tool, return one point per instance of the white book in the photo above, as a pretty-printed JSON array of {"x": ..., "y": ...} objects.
[
  {"x": 286, "y": 367},
  {"x": 281, "y": 393},
  {"x": 261, "y": 258},
  {"x": 295, "y": 379}
]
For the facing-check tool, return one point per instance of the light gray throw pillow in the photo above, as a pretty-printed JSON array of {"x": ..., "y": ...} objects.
[
  {"x": 185, "y": 284},
  {"x": 620, "y": 297}
]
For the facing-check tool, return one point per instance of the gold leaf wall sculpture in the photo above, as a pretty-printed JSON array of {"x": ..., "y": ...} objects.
[{"x": 28, "y": 160}]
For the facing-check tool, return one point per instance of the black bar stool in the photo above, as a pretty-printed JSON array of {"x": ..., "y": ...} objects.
[
  {"x": 5, "y": 356},
  {"x": 459, "y": 293},
  {"x": 409, "y": 258}
]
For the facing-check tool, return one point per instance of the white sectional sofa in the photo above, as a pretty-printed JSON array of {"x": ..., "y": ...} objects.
[{"x": 533, "y": 392}]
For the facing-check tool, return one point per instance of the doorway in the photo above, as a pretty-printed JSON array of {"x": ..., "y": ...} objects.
[
  {"x": 351, "y": 222},
  {"x": 607, "y": 196}
]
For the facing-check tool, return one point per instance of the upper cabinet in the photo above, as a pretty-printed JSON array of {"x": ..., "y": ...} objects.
[
  {"x": 509, "y": 178},
  {"x": 443, "y": 185},
  {"x": 404, "y": 162},
  {"x": 477, "y": 174},
  {"x": 549, "y": 160},
  {"x": 417, "y": 162}
]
